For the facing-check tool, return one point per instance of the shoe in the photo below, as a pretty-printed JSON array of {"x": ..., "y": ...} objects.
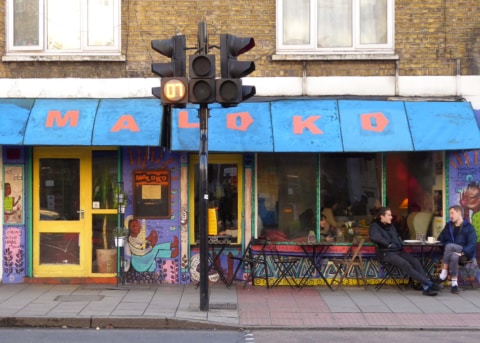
[
  {"x": 436, "y": 287},
  {"x": 455, "y": 290},
  {"x": 430, "y": 292}
]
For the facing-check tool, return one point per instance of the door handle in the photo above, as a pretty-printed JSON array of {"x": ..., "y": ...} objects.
[{"x": 81, "y": 213}]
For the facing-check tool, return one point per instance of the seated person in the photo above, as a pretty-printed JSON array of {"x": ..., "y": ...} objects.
[
  {"x": 327, "y": 211},
  {"x": 459, "y": 240},
  {"x": 327, "y": 232},
  {"x": 389, "y": 249}
]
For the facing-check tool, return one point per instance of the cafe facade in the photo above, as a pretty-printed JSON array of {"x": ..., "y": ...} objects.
[
  {"x": 72, "y": 178},
  {"x": 381, "y": 108}
]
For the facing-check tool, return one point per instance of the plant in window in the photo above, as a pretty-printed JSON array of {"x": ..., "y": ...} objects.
[{"x": 104, "y": 186}]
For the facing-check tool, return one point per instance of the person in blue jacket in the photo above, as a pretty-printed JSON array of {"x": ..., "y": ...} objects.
[{"x": 459, "y": 240}]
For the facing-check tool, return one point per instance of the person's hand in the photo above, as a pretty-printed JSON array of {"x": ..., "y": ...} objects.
[{"x": 459, "y": 253}]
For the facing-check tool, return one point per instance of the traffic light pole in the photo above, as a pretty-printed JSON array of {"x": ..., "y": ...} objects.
[{"x": 203, "y": 114}]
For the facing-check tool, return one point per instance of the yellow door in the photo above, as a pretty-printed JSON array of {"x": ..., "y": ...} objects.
[{"x": 62, "y": 234}]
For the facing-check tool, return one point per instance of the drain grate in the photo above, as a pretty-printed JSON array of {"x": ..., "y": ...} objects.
[
  {"x": 223, "y": 306},
  {"x": 78, "y": 298}
]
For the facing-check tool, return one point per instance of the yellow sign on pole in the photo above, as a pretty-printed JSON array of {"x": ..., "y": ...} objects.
[{"x": 212, "y": 222}]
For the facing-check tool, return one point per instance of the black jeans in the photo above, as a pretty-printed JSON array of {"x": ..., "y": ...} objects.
[{"x": 407, "y": 263}]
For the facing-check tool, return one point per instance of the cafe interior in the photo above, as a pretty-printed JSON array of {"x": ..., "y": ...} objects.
[{"x": 293, "y": 189}]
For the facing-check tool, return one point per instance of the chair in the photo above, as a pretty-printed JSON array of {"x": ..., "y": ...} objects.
[
  {"x": 467, "y": 274},
  {"x": 419, "y": 222},
  {"x": 390, "y": 272},
  {"x": 352, "y": 262},
  {"x": 284, "y": 266},
  {"x": 252, "y": 261}
]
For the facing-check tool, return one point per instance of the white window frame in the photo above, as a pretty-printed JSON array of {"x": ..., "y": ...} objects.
[
  {"x": 356, "y": 48},
  {"x": 42, "y": 49}
]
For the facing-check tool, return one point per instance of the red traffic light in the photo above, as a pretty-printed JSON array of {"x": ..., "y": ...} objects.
[
  {"x": 230, "y": 47},
  {"x": 173, "y": 48}
]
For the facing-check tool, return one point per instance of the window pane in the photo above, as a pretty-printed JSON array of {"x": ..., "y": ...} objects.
[
  {"x": 353, "y": 182},
  {"x": 103, "y": 227},
  {"x": 296, "y": 22},
  {"x": 410, "y": 176},
  {"x": 286, "y": 193},
  {"x": 373, "y": 21},
  {"x": 222, "y": 200},
  {"x": 63, "y": 24},
  {"x": 25, "y": 23},
  {"x": 100, "y": 23},
  {"x": 59, "y": 188},
  {"x": 104, "y": 174},
  {"x": 334, "y": 23},
  {"x": 59, "y": 248}
]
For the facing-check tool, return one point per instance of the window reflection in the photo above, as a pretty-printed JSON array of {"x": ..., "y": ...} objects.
[{"x": 286, "y": 195}]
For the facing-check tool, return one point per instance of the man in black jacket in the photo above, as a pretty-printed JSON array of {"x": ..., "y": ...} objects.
[{"x": 389, "y": 249}]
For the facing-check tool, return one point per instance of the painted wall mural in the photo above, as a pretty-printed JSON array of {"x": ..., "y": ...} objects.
[
  {"x": 464, "y": 184},
  {"x": 13, "y": 255},
  {"x": 152, "y": 251}
]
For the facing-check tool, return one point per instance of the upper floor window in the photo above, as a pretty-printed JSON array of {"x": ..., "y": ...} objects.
[
  {"x": 335, "y": 26},
  {"x": 63, "y": 27}
]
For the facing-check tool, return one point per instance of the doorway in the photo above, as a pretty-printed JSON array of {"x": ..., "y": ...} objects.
[{"x": 69, "y": 214}]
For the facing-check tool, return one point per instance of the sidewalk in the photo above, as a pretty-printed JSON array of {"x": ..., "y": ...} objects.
[{"x": 177, "y": 306}]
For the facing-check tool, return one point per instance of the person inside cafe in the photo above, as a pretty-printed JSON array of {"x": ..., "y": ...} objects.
[
  {"x": 328, "y": 210},
  {"x": 327, "y": 232},
  {"x": 459, "y": 240},
  {"x": 390, "y": 249}
]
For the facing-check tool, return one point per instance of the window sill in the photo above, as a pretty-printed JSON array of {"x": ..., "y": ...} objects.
[
  {"x": 64, "y": 58},
  {"x": 334, "y": 57}
]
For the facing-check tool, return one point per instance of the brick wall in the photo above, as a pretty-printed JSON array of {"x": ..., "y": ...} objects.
[{"x": 430, "y": 35}]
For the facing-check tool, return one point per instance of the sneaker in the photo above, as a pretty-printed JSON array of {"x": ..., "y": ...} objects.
[
  {"x": 430, "y": 292},
  {"x": 455, "y": 290},
  {"x": 436, "y": 286}
]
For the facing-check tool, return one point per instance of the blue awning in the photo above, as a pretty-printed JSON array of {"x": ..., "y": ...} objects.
[
  {"x": 271, "y": 126},
  {"x": 330, "y": 126},
  {"x": 81, "y": 122}
]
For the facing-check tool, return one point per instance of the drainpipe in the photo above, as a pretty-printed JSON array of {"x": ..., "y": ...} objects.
[
  {"x": 458, "y": 80},
  {"x": 304, "y": 79},
  {"x": 396, "y": 78}
]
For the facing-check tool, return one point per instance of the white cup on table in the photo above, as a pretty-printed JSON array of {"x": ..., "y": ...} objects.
[{"x": 431, "y": 239}]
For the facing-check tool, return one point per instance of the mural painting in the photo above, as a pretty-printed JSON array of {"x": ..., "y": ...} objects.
[
  {"x": 152, "y": 253},
  {"x": 464, "y": 181},
  {"x": 13, "y": 255}
]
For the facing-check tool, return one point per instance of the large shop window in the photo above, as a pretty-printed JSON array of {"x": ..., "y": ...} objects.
[
  {"x": 63, "y": 27},
  {"x": 335, "y": 26},
  {"x": 225, "y": 197},
  {"x": 286, "y": 195},
  {"x": 288, "y": 191},
  {"x": 414, "y": 183},
  {"x": 350, "y": 184}
]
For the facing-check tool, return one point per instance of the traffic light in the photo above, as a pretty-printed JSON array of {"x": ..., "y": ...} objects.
[
  {"x": 229, "y": 88},
  {"x": 173, "y": 84},
  {"x": 201, "y": 88}
]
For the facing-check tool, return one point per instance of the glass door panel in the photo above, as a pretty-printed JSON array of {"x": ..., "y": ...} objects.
[
  {"x": 225, "y": 175},
  {"x": 59, "y": 212}
]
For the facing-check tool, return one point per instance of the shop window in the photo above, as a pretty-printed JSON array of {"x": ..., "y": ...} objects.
[
  {"x": 414, "y": 183},
  {"x": 352, "y": 182},
  {"x": 286, "y": 195},
  {"x": 225, "y": 182},
  {"x": 335, "y": 26},
  {"x": 63, "y": 27}
]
